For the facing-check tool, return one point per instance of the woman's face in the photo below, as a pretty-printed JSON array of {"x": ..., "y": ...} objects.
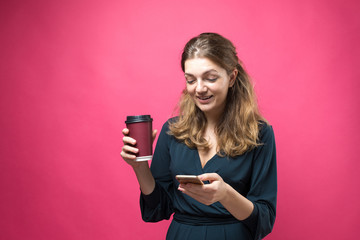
[{"x": 208, "y": 85}]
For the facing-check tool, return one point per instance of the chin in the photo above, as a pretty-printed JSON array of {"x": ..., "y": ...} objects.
[{"x": 204, "y": 109}]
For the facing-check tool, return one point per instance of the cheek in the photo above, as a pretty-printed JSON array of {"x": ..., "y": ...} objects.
[
  {"x": 221, "y": 90},
  {"x": 224, "y": 89},
  {"x": 190, "y": 89},
  {"x": 222, "y": 94}
]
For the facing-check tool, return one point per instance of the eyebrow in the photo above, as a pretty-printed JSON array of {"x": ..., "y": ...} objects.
[{"x": 207, "y": 72}]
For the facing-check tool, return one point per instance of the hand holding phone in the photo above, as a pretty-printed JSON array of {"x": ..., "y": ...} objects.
[{"x": 189, "y": 179}]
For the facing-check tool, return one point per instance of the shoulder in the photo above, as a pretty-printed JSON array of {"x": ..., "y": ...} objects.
[
  {"x": 266, "y": 150},
  {"x": 169, "y": 122},
  {"x": 266, "y": 132},
  {"x": 173, "y": 120},
  {"x": 165, "y": 130},
  {"x": 165, "y": 136}
]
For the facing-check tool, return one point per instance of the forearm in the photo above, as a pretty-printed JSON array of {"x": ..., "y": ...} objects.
[
  {"x": 145, "y": 178},
  {"x": 239, "y": 206}
]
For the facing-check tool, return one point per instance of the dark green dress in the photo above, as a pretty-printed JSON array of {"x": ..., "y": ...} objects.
[{"x": 252, "y": 174}]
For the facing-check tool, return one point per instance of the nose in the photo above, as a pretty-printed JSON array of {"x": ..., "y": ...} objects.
[{"x": 200, "y": 86}]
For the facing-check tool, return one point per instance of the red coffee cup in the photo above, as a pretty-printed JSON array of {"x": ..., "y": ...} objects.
[{"x": 140, "y": 128}]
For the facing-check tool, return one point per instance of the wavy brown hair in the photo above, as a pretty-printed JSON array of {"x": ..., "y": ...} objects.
[{"x": 238, "y": 129}]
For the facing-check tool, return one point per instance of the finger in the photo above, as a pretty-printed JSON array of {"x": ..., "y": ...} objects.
[
  {"x": 209, "y": 177},
  {"x": 129, "y": 140},
  {"x": 130, "y": 149},
  {"x": 200, "y": 197},
  {"x": 127, "y": 156},
  {"x": 125, "y": 131},
  {"x": 194, "y": 188},
  {"x": 188, "y": 190},
  {"x": 154, "y": 134}
]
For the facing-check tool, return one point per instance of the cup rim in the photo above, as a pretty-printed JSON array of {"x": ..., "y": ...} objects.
[{"x": 138, "y": 118}]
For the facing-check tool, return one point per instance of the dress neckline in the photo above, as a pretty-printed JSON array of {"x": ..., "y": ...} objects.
[{"x": 206, "y": 163}]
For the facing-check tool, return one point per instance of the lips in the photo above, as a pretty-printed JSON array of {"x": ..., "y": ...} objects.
[{"x": 204, "y": 99}]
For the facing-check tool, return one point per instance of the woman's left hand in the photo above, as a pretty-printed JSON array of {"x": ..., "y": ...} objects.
[{"x": 207, "y": 194}]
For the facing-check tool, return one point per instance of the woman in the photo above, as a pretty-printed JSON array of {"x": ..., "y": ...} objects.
[{"x": 220, "y": 136}]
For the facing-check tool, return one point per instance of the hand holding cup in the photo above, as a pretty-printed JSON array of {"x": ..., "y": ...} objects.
[{"x": 138, "y": 139}]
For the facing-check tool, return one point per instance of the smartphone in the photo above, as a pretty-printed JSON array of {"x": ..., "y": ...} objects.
[{"x": 189, "y": 179}]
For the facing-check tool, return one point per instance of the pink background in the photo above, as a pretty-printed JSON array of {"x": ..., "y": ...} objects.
[{"x": 70, "y": 72}]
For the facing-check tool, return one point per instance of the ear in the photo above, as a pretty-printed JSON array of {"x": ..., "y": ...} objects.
[{"x": 233, "y": 76}]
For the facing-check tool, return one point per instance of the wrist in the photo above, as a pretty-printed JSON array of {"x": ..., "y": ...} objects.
[
  {"x": 238, "y": 205},
  {"x": 141, "y": 166},
  {"x": 145, "y": 178},
  {"x": 226, "y": 194}
]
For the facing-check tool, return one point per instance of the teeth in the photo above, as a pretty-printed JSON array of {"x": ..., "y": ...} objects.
[{"x": 204, "y": 98}]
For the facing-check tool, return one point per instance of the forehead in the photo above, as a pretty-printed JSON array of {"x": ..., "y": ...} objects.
[{"x": 198, "y": 66}]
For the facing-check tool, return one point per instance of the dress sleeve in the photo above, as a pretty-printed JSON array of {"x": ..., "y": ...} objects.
[
  {"x": 158, "y": 205},
  {"x": 263, "y": 188}
]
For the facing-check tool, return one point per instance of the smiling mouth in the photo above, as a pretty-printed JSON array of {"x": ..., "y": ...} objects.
[{"x": 204, "y": 97}]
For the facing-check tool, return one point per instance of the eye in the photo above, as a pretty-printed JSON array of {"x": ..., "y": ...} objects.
[
  {"x": 190, "y": 80},
  {"x": 212, "y": 78}
]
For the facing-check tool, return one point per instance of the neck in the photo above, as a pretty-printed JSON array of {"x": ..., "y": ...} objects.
[{"x": 212, "y": 120}]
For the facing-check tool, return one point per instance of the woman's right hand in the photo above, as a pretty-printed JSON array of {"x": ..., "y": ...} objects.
[
  {"x": 141, "y": 169},
  {"x": 129, "y": 150}
]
